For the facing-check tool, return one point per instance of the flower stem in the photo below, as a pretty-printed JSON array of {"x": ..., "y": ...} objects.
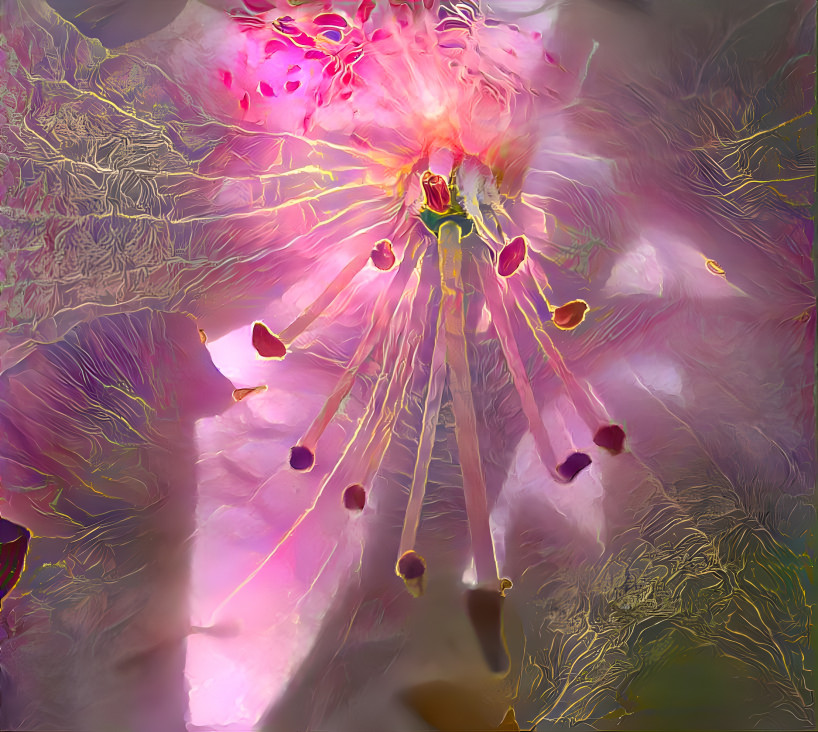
[{"x": 474, "y": 486}]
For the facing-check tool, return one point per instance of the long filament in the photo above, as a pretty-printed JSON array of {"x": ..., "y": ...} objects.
[
  {"x": 426, "y": 440},
  {"x": 499, "y": 316}
]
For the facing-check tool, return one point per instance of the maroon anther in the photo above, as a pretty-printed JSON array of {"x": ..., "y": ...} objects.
[
  {"x": 611, "y": 438},
  {"x": 266, "y": 343},
  {"x": 436, "y": 191},
  {"x": 355, "y": 497}
]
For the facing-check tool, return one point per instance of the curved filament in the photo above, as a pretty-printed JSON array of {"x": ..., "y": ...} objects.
[{"x": 499, "y": 316}]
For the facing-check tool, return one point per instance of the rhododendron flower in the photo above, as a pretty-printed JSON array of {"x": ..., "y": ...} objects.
[{"x": 516, "y": 310}]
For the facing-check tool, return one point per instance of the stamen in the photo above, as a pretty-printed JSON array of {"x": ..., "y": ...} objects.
[
  {"x": 426, "y": 440},
  {"x": 591, "y": 411},
  {"x": 499, "y": 316},
  {"x": 588, "y": 407},
  {"x": 324, "y": 300},
  {"x": 382, "y": 313}
]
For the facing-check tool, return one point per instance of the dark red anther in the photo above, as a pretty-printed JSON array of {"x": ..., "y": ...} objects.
[
  {"x": 382, "y": 255},
  {"x": 245, "y": 102},
  {"x": 291, "y": 86},
  {"x": 436, "y": 191},
  {"x": 570, "y": 315},
  {"x": 266, "y": 343},
  {"x": 611, "y": 438},
  {"x": 301, "y": 458},
  {"x": 574, "y": 464},
  {"x": 265, "y": 89},
  {"x": 14, "y": 541},
  {"x": 331, "y": 19},
  {"x": 355, "y": 497},
  {"x": 511, "y": 257}
]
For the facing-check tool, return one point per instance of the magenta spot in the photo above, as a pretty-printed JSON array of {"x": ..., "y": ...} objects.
[
  {"x": 331, "y": 19},
  {"x": 265, "y": 89},
  {"x": 245, "y": 102},
  {"x": 380, "y": 35},
  {"x": 611, "y": 438},
  {"x": 353, "y": 56},
  {"x": 511, "y": 257},
  {"x": 314, "y": 53},
  {"x": 355, "y": 497},
  {"x": 227, "y": 78},
  {"x": 301, "y": 458},
  {"x": 291, "y": 86},
  {"x": 293, "y": 69},
  {"x": 258, "y": 6},
  {"x": 382, "y": 255},
  {"x": 573, "y": 465},
  {"x": 266, "y": 344}
]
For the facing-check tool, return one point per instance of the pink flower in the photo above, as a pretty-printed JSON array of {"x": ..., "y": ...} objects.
[{"x": 587, "y": 279}]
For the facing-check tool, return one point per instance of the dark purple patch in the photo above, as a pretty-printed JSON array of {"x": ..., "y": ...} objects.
[
  {"x": 301, "y": 458},
  {"x": 411, "y": 566},
  {"x": 573, "y": 465}
]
